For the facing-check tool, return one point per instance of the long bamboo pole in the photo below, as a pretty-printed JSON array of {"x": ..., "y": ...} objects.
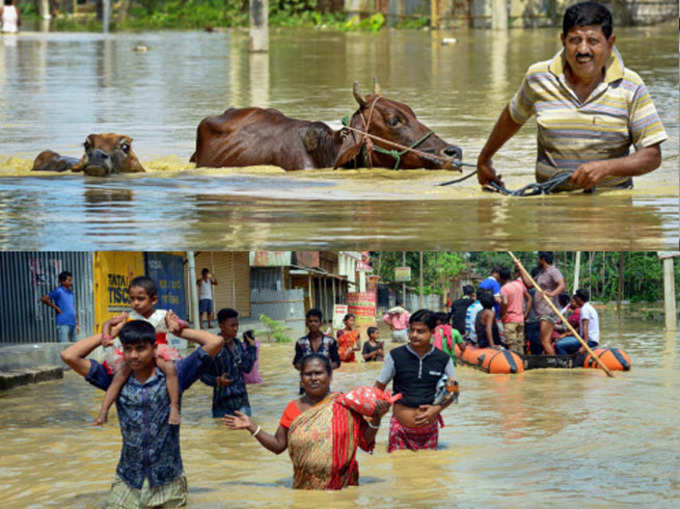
[{"x": 557, "y": 311}]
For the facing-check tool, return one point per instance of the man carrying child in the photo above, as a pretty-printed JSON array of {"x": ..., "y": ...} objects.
[{"x": 150, "y": 471}]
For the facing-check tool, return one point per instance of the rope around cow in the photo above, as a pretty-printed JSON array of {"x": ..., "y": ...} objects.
[{"x": 532, "y": 189}]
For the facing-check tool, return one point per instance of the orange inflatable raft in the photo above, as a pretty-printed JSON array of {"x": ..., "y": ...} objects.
[
  {"x": 491, "y": 360},
  {"x": 614, "y": 358}
]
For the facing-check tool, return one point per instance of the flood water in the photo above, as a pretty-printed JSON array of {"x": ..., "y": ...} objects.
[
  {"x": 560, "y": 437},
  {"x": 56, "y": 88}
]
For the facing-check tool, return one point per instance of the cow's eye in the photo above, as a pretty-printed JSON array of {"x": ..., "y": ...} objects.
[
  {"x": 393, "y": 121},
  {"x": 86, "y": 145},
  {"x": 125, "y": 148}
]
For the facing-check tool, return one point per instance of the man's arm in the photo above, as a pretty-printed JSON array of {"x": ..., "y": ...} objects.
[
  {"x": 297, "y": 360},
  {"x": 45, "y": 299},
  {"x": 334, "y": 355},
  {"x": 210, "y": 342},
  {"x": 504, "y": 129},
  {"x": 560, "y": 288},
  {"x": 527, "y": 300},
  {"x": 642, "y": 161},
  {"x": 75, "y": 354}
]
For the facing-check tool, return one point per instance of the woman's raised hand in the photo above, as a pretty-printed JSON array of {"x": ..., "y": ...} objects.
[{"x": 238, "y": 421}]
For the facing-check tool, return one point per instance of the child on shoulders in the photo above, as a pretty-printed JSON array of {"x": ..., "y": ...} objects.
[{"x": 143, "y": 295}]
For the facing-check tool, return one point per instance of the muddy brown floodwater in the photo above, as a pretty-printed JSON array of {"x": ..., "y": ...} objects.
[
  {"x": 560, "y": 437},
  {"x": 56, "y": 88}
]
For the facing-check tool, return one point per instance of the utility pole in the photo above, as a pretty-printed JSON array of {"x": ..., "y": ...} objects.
[
  {"x": 191, "y": 268},
  {"x": 420, "y": 279},
  {"x": 403, "y": 284},
  {"x": 259, "y": 26}
]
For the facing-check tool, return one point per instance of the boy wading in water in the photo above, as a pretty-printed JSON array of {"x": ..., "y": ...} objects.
[
  {"x": 143, "y": 295},
  {"x": 150, "y": 471},
  {"x": 416, "y": 368}
]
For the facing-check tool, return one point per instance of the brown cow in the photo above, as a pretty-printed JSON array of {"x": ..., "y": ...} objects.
[
  {"x": 254, "y": 136},
  {"x": 105, "y": 154}
]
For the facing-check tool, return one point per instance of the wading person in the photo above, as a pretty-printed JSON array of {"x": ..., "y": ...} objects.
[
  {"x": 150, "y": 472},
  {"x": 143, "y": 295},
  {"x": 348, "y": 339},
  {"x": 321, "y": 435},
  {"x": 10, "y": 19},
  {"x": 225, "y": 373},
  {"x": 460, "y": 306},
  {"x": 61, "y": 300},
  {"x": 551, "y": 283},
  {"x": 589, "y": 110},
  {"x": 397, "y": 318},
  {"x": 316, "y": 341},
  {"x": 415, "y": 369}
]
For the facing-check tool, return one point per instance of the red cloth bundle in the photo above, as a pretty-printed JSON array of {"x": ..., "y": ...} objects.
[{"x": 362, "y": 399}]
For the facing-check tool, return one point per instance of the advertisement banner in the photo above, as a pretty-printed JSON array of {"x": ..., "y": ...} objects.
[
  {"x": 168, "y": 272},
  {"x": 402, "y": 274},
  {"x": 339, "y": 312},
  {"x": 363, "y": 305},
  {"x": 113, "y": 271},
  {"x": 270, "y": 258}
]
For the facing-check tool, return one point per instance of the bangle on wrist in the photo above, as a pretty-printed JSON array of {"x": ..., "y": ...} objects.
[
  {"x": 373, "y": 426},
  {"x": 254, "y": 433}
]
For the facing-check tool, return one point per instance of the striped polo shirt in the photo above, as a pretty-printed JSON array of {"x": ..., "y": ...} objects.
[{"x": 618, "y": 113}]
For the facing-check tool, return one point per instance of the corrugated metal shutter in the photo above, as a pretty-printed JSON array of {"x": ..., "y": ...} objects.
[
  {"x": 27, "y": 276},
  {"x": 287, "y": 306},
  {"x": 232, "y": 270}
]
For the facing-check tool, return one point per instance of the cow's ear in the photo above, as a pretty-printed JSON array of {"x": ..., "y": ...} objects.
[{"x": 350, "y": 149}]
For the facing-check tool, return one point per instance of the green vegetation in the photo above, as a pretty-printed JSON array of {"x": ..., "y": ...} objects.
[
  {"x": 276, "y": 329},
  {"x": 215, "y": 14},
  {"x": 599, "y": 271}
]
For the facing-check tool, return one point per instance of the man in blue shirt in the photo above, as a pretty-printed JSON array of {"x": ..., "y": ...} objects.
[
  {"x": 61, "y": 299},
  {"x": 493, "y": 283},
  {"x": 150, "y": 471}
]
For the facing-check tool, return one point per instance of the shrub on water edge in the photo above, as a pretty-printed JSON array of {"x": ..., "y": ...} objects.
[{"x": 276, "y": 329}]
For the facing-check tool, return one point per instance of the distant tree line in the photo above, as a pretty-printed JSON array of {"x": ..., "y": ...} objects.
[{"x": 599, "y": 271}]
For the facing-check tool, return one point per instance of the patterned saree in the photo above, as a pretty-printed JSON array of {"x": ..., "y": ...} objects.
[{"x": 322, "y": 443}]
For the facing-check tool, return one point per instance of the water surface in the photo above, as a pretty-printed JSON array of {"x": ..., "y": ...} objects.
[
  {"x": 564, "y": 437},
  {"x": 56, "y": 88}
]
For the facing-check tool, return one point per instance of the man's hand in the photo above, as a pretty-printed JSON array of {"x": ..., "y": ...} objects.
[
  {"x": 427, "y": 414},
  {"x": 223, "y": 381},
  {"x": 381, "y": 408},
  {"x": 486, "y": 173},
  {"x": 589, "y": 174},
  {"x": 251, "y": 341}
]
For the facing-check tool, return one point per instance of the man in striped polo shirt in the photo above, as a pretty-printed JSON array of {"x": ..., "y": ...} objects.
[{"x": 589, "y": 109}]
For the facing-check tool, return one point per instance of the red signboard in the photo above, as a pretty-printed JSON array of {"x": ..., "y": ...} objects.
[{"x": 363, "y": 305}]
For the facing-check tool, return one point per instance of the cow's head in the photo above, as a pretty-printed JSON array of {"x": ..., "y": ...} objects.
[
  {"x": 106, "y": 154},
  {"x": 392, "y": 121}
]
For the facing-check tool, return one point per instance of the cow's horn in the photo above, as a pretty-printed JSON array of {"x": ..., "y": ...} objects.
[
  {"x": 357, "y": 94},
  {"x": 376, "y": 86}
]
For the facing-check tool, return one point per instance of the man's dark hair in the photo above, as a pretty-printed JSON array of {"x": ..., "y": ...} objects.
[
  {"x": 145, "y": 282},
  {"x": 225, "y": 314},
  {"x": 250, "y": 334},
  {"x": 504, "y": 273},
  {"x": 371, "y": 330},
  {"x": 582, "y": 294},
  {"x": 137, "y": 331},
  {"x": 425, "y": 316},
  {"x": 468, "y": 290},
  {"x": 585, "y": 14},
  {"x": 314, "y": 312},
  {"x": 63, "y": 275},
  {"x": 547, "y": 256},
  {"x": 442, "y": 317},
  {"x": 322, "y": 358},
  {"x": 205, "y": 271},
  {"x": 485, "y": 297},
  {"x": 563, "y": 298}
]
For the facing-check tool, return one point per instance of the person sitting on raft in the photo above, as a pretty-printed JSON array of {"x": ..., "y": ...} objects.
[
  {"x": 321, "y": 435},
  {"x": 589, "y": 327},
  {"x": 488, "y": 335},
  {"x": 446, "y": 337},
  {"x": 416, "y": 367}
]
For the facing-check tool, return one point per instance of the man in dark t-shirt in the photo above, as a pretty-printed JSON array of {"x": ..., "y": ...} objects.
[{"x": 459, "y": 308}]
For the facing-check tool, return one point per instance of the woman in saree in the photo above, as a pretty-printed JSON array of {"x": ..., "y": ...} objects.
[
  {"x": 321, "y": 435},
  {"x": 348, "y": 339}
]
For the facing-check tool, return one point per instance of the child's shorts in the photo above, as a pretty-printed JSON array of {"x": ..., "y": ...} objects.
[{"x": 122, "y": 496}]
